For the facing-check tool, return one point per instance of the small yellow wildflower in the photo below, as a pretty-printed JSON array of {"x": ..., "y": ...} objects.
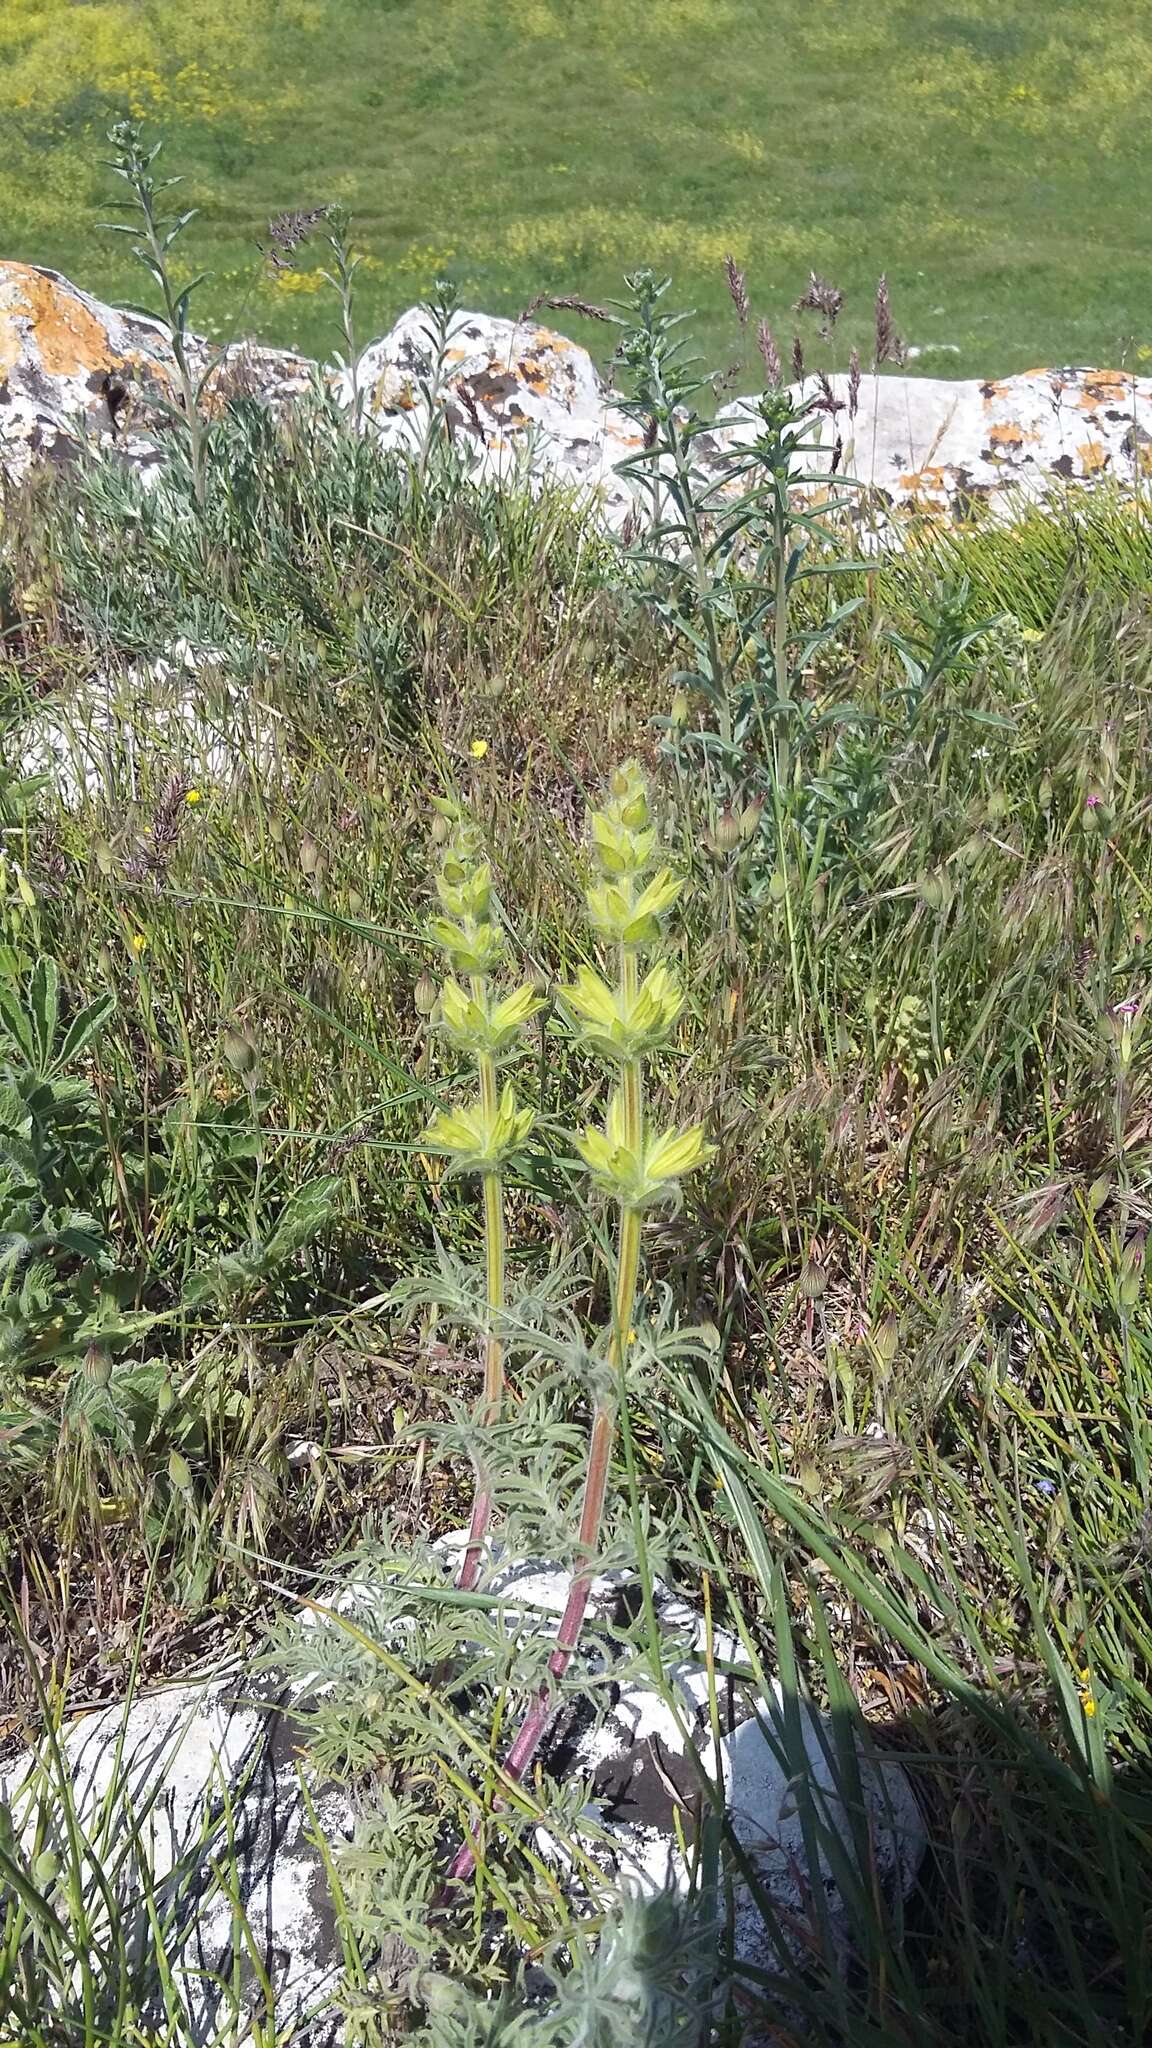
[
  {"x": 1087, "y": 1702},
  {"x": 194, "y": 796},
  {"x": 478, "y": 749},
  {"x": 138, "y": 942}
]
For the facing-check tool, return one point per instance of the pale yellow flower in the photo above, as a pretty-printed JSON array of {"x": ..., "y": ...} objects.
[
  {"x": 194, "y": 796},
  {"x": 478, "y": 749}
]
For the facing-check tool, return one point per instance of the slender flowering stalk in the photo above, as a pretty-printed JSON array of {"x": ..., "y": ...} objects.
[
  {"x": 480, "y": 1137},
  {"x": 622, "y": 1024}
]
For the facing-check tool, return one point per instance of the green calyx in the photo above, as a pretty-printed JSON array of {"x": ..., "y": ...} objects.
[
  {"x": 624, "y": 909},
  {"x": 637, "y": 1175},
  {"x": 623, "y": 1026},
  {"x": 480, "y": 1137},
  {"x": 486, "y": 1024}
]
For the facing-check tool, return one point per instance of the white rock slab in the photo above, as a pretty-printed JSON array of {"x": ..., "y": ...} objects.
[{"x": 646, "y": 1757}]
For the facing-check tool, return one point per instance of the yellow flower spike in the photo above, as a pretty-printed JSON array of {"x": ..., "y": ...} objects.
[
  {"x": 138, "y": 943},
  {"x": 478, "y": 749}
]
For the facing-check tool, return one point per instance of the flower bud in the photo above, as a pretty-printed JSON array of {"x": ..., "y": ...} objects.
[
  {"x": 425, "y": 995},
  {"x": 813, "y": 1280},
  {"x": 750, "y": 818},
  {"x": 1099, "y": 1192},
  {"x": 239, "y": 1050},
  {"x": 778, "y": 885},
  {"x": 97, "y": 1365},
  {"x": 105, "y": 965},
  {"x": 1044, "y": 794},
  {"x": 681, "y": 709},
  {"x": 441, "y": 831},
  {"x": 179, "y": 1472},
  {"x": 725, "y": 835},
  {"x": 46, "y": 1869},
  {"x": 885, "y": 1339},
  {"x": 311, "y": 859}
]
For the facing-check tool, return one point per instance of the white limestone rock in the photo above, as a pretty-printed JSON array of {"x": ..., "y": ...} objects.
[
  {"x": 523, "y": 400},
  {"x": 517, "y": 397},
  {"x": 946, "y": 446},
  {"x": 638, "y": 1754},
  {"x": 73, "y": 371}
]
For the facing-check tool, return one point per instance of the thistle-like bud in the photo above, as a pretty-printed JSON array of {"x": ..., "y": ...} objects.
[
  {"x": 425, "y": 995},
  {"x": 725, "y": 835},
  {"x": 97, "y": 1365},
  {"x": 240, "y": 1050}
]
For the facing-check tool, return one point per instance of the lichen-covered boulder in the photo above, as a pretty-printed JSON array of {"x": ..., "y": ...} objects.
[
  {"x": 74, "y": 371},
  {"x": 520, "y": 400},
  {"x": 947, "y": 447},
  {"x": 516, "y": 397}
]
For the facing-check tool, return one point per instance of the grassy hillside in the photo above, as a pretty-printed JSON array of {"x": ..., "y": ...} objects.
[
  {"x": 887, "y": 1376},
  {"x": 994, "y": 159}
]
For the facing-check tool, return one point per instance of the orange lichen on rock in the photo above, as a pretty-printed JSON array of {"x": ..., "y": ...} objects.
[
  {"x": 70, "y": 340},
  {"x": 1093, "y": 457},
  {"x": 1105, "y": 387}
]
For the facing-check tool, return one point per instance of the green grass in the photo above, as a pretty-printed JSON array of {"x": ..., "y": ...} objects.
[
  {"x": 993, "y": 159},
  {"x": 909, "y": 1461}
]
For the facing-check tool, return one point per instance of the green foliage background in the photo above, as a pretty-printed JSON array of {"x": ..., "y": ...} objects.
[{"x": 992, "y": 158}]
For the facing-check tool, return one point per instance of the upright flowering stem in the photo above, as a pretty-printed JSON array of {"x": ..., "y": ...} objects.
[
  {"x": 620, "y": 1024},
  {"x": 492, "y": 1397},
  {"x": 482, "y": 1137}
]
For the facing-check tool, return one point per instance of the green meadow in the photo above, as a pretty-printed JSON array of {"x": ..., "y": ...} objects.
[{"x": 992, "y": 159}]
